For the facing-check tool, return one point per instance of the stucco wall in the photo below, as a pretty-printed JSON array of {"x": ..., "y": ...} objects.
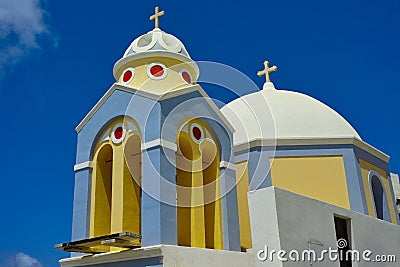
[
  {"x": 319, "y": 177},
  {"x": 283, "y": 220},
  {"x": 396, "y": 188}
]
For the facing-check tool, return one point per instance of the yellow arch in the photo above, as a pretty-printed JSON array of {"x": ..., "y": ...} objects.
[
  {"x": 198, "y": 193},
  {"x": 116, "y": 181}
]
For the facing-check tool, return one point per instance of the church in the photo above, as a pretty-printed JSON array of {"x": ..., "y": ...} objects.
[{"x": 163, "y": 177}]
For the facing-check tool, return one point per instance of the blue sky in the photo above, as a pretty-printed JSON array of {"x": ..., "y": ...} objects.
[{"x": 56, "y": 60}]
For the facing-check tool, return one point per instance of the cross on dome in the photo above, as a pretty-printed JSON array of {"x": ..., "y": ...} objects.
[
  {"x": 157, "y": 16},
  {"x": 267, "y": 70}
]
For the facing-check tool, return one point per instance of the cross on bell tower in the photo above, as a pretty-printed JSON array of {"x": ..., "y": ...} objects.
[
  {"x": 267, "y": 70},
  {"x": 156, "y": 17}
]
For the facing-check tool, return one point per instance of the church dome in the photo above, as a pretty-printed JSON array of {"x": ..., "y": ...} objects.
[
  {"x": 279, "y": 114},
  {"x": 156, "y": 40},
  {"x": 156, "y": 44}
]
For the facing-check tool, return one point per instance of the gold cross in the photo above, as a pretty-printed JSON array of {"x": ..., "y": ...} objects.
[
  {"x": 267, "y": 70},
  {"x": 156, "y": 17}
]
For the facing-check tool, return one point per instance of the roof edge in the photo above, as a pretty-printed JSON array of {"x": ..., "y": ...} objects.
[
  {"x": 311, "y": 142},
  {"x": 154, "y": 96}
]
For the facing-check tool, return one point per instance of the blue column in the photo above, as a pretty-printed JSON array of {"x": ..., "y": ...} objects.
[
  {"x": 354, "y": 181},
  {"x": 230, "y": 216},
  {"x": 81, "y": 217},
  {"x": 159, "y": 213}
]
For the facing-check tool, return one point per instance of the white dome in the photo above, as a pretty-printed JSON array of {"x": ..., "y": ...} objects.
[
  {"x": 279, "y": 114},
  {"x": 156, "y": 40},
  {"x": 156, "y": 43}
]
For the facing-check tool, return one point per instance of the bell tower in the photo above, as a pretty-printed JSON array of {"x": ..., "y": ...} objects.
[{"x": 154, "y": 158}]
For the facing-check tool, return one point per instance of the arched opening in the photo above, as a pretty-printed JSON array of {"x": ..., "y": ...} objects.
[
  {"x": 378, "y": 194},
  {"x": 116, "y": 180},
  {"x": 199, "y": 207},
  {"x": 101, "y": 192}
]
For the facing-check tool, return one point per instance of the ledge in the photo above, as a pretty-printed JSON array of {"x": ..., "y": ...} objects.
[
  {"x": 168, "y": 256},
  {"x": 313, "y": 142}
]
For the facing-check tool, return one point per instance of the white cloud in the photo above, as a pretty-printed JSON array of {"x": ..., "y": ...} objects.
[
  {"x": 22, "y": 260},
  {"x": 21, "y": 24}
]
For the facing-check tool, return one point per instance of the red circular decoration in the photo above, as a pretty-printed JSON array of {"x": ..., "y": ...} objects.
[
  {"x": 157, "y": 70},
  {"x": 118, "y": 133},
  {"x": 196, "y": 132},
  {"x": 186, "y": 77},
  {"x": 127, "y": 76}
]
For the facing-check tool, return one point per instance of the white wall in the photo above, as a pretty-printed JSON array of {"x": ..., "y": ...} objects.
[
  {"x": 284, "y": 220},
  {"x": 396, "y": 184}
]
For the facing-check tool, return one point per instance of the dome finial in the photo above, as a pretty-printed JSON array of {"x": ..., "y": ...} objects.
[
  {"x": 267, "y": 70},
  {"x": 156, "y": 17}
]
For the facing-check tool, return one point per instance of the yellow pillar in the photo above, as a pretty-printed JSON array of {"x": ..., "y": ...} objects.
[
  {"x": 125, "y": 210},
  {"x": 117, "y": 206},
  {"x": 197, "y": 203},
  {"x": 212, "y": 207}
]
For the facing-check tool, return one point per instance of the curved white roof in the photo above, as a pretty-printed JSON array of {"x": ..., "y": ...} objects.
[
  {"x": 156, "y": 43},
  {"x": 156, "y": 40},
  {"x": 279, "y": 114}
]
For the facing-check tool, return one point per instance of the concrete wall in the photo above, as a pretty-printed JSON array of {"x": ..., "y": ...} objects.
[
  {"x": 287, "y": 221},
  {"x": 396, "y": 188},
  {"x": 396, "y": 184},
  {"x": 167, "y": 256}
]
